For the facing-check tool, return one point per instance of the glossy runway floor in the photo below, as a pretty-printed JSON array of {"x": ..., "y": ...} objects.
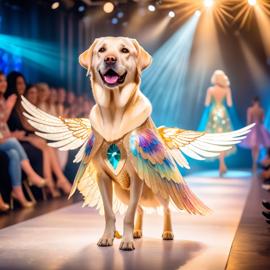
[{"x": 66, "y": 238}]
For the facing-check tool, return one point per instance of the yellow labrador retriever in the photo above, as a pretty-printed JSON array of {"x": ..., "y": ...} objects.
[
  {"x": 115, "y": 65},
  {"x": 126, "y": 162}
]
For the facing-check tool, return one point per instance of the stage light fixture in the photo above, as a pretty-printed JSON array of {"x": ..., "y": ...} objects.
[
  {"x": 208, "y": 3},
  {"x": 151, "y": 8},
  {"x": 108, "y": 7},
  {"x": 171, "y": 14},
  {"x": 114, "y": 21},
  {"x": 246, "y": 9},
  {"x": 120, "y": 14},
  {"x": 55, "y": 5},
  {"x": 81, "y": 8},
  {"x": 169, "y": 71},
  {"x": 252, "y": 2},
  {"x": 197, "y": 13},
  {"x": 221, "y": 10}
]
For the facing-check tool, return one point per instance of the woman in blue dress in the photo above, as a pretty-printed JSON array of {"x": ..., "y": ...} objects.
[{"x": 218, "y": 96}]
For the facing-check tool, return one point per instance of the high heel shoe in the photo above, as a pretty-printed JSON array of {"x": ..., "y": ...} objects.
[
  {"x": 64, "y": 185},
  {"x": 41, "y": 183},
  {"x": 53, "y": 192},
  {"x": 4, "y": 207},
  {"x": 24, "y": 203}
]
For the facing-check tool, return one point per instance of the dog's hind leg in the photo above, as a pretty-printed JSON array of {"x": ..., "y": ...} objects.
[
  {"x": 136, "y": 187},
  {"x": 167, "y": 225},
  {"x": 167, "y": 222},
  {"x": 105, "y": 187},
  {"x": 137, "y": 233}
]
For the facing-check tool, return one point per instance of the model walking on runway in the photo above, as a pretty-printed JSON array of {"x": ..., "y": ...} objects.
[
  {"x": 218, "y": 120},
  {"x": 259, "y": 136}
]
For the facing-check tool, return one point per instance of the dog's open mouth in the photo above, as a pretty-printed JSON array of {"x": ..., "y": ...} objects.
[{"x": 112, "y": 78}]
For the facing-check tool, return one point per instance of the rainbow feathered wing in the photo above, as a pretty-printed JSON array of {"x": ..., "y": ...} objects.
[
  {"x": 154, "y": 153},
  {"x": 156, "y": 166}
]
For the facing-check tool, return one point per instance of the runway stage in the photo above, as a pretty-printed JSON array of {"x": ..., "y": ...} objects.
[{"x": 66, "y": 238}]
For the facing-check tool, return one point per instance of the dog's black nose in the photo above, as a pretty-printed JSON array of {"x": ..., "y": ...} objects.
[{"x": 110, "y": 60}]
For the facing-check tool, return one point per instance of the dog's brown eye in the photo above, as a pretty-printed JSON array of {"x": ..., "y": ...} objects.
[
  {"x": 125, "y": 50},
  {"x": 101, "y": 50}
]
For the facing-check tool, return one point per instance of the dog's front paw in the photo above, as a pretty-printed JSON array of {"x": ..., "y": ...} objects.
[
  {"x": 137, "y": 234},
  {"x": 167, "y": 235},
  {"x": 127, "y": 245},
  {"x": 105, "y": 242}
]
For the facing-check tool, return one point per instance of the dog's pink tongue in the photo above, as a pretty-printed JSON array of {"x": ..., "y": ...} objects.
[{"x": 111, "y": 79}]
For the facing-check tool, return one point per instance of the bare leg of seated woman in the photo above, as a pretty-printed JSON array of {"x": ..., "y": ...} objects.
[
  {"x": 61, "y": 181},
  {"x": 33, "y": 177},
  {"x": 47, "y": 170},
  {"x": 51, "y": 165},
  {"x": 48, "y": 174},
  {"x": 3, "y": 206}
]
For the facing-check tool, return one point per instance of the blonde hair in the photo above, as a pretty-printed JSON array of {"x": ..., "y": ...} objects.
[{"x": 220, "y": 78}]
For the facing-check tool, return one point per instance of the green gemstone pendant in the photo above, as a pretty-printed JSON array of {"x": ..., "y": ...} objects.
[{"x": 114, "y": 155}]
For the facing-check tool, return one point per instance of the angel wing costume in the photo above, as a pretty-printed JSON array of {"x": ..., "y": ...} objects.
[{"x": 154, "y": 153}]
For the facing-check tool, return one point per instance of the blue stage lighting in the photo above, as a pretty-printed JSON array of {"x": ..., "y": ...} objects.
[
  {"x": 114, "y": 21},
  {"x": 164, "y": 81},
  {"x": 81, "y": 8},
  {"x": 267, "y": 119},
  {"x": 120, "y": 14},
  {"x": 42, "y": 54}
]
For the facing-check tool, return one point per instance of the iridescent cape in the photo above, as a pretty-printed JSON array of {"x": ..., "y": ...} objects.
[{"x": 153, "y": 152}]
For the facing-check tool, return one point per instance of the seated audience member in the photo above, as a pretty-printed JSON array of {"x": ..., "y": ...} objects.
[
  {"x": 61, "y": 98},
  {"x": 3, "y": 206},
  {"x": 18, "y": 159},
  {"x": 17, "y": 85},
  {"x": 52, "y": 102},
  {"x": 266, "y": 205},
  {"x": 16, "y": 122},
  {"x": 43, "y": 95},
  {"x": 69, "y": 104},
  {"x": 79, "y": 107},
  {"x": 86, "y": 107},
  {"x": 53, "y": 165},
  {"x": 47, "y": 102},
  {"x": 60, "y": 111},
  {"x": 75, "y": 108},
  {"x": 265, "y": 164}
]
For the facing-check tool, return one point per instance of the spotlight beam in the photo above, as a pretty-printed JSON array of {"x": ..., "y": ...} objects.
[
  {"x": 41, "y": 54},
  {"x": 245, "y": 12},
  {"x": 257, "y": 72},
  {"x": 164, "y": 81},
  {"x": 263, "y": 20}
]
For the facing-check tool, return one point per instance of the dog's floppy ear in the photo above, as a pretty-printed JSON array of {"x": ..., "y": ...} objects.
[
  {"x": 144, "y": 58},
  {"x": 86, "y": 57}
]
